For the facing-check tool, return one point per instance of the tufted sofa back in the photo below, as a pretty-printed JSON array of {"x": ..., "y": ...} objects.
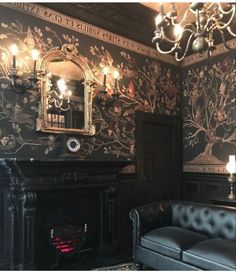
[{"x": 214, "y": 221}]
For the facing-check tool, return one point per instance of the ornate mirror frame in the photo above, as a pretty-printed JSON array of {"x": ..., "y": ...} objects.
[{"x": 67, "y": 52}]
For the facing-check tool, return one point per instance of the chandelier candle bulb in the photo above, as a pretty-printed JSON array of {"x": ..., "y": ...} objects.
[
  {"x": 14, "y": 51},
  {"x": 61, "y": 85},
  {"x": 69, "y": 93}
]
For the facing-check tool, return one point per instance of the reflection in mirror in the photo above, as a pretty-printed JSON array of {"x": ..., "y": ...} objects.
[{"x": 66, "y": 93}]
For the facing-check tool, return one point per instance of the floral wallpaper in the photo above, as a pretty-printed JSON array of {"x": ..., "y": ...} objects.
[
  {"x": 209, "y": 112},
  {"x": 145, "y": 84}
]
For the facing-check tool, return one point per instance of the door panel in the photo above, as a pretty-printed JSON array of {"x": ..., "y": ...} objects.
[{"x": 156, "y": 156}]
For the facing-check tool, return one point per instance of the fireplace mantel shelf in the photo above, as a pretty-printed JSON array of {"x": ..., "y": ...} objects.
[{"x": 36, "y": 174}]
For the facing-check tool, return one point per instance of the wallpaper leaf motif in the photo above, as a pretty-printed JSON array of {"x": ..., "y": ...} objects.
[
  {"x": 210, "y": 112},
  {"x": 145, "y": 84}
]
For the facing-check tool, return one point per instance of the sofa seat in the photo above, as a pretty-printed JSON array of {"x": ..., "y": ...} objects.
[
  {"x": 212, "y": 254},
  {"x": 171, "y": 240}
]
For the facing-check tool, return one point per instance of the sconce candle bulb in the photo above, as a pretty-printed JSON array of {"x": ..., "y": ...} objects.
[
  {"x": 35, "y": 56},
  {"x": 104, "y": 98},
  {"x": 105, "y": 72},
  {"x": 116, "y": 75},
  {"x": 14, "y": 51},
  {"x": 21, "y": 80}
]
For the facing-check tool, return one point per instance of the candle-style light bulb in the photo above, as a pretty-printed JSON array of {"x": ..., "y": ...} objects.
[
  {"x": 35, "y": 56},
  {"x": 69, "y": 93},
  {"x": 61, "y": 85},
  {"x": 116, "y": 75},
  {"x": 14, "y": 51},
  {"x": 105, "y": 72},
  {"x": 231, "y": 165}
]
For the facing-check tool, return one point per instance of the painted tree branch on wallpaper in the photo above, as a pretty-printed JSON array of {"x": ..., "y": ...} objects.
[
  {"x": 210, "y": 113},
  {"x": 146, "y": 85}
]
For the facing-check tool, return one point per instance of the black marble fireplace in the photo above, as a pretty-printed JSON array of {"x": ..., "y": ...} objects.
[{"x": 39, "y": 192}]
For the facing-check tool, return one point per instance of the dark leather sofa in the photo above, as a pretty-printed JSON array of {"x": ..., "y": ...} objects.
[{"x": 177, "y": 235}]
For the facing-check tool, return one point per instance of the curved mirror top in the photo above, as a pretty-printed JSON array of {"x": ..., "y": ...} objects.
[{"x": 66, "y": 94}]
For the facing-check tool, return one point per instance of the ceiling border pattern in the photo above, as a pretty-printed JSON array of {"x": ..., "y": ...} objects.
[
  {"x": 220, "y": 49},
  {"x": 82, "y": 27}
]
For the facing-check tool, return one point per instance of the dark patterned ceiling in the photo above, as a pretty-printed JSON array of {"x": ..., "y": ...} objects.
[{"x": 131, "y": 20}]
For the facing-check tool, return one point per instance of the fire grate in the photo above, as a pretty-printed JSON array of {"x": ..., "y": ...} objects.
[{"x": 67, "y": 240}]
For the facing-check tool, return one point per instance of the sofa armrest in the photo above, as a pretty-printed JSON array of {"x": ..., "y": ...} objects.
[{"x": 148, "y": 217}]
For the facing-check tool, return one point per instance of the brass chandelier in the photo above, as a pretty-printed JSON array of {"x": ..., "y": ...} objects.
[{"x": 211, "y": 20}]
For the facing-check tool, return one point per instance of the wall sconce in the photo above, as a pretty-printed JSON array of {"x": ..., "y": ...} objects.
[
  {"x": 231, "y": 168},
  {"x": 20, "y": 80},
  {"x": 59, "y": 97},
  {"x": 103, "y": 97}
]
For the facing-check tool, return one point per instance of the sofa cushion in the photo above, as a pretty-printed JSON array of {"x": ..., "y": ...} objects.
[
  {"x": 171, "y": 240},
  {"x": 212, "y": 254}
]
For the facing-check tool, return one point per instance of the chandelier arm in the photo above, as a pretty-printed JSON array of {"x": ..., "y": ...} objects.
[
  {"x": 183, "y": 18},
  {"x": 226, "y": 12},
  {"x": 55, "y": 93},
  {"x": 186, "y": 49},
  {"x": 219, "y": 25},
  {"x": 177, "y": 40},
  {"x": 229, "y": 22},
  {"x": 166, "y": 52},
  {"x": 57, "y": 103},
  {"x": 231, "y": 32},
  {"x": 210, "y": 6},
  {"x": 65, "y": 109}
]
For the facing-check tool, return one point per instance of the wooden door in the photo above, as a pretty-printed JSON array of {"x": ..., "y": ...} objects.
[{"x": 158, "y": 165}]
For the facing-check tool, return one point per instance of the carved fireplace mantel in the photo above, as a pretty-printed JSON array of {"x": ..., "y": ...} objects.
[{"x": 26, "y": 179}]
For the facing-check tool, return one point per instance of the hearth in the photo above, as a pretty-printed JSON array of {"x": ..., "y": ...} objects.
[{"x": 52, "y": 203}]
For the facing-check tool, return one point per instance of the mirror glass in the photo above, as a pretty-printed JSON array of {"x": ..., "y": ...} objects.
[{"x": 66, "y": 94}]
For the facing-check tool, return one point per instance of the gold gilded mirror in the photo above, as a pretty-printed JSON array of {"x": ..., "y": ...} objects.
[{"x": 66, "y": 84}]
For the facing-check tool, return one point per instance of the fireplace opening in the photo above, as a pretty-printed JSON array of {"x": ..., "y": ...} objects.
[
  {"x": 66, "y": 236},
  {"x": 67, "y": 225}
]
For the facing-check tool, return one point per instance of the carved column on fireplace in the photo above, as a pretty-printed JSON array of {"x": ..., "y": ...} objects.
[
  {"x": 108, "y": 232},
  {"x": 22, "y": 219}
]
